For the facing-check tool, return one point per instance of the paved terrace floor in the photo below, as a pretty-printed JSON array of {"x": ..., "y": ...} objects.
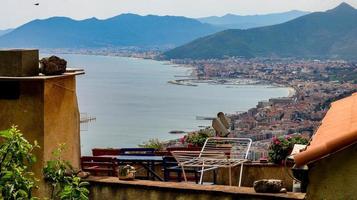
[{"x": 113, "y": 188}]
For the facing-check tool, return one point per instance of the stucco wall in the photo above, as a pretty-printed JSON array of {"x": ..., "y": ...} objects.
[
  {"x": 46, "y": 111},
  {"x": 61, "y": 119},
  {"x": 334, "y": 177},
  {"x": 27, "y": 113},
  {"x": 112, "y": 188},
  {"x": 253, "y": 172}
]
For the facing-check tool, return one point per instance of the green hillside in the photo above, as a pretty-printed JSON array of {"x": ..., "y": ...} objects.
[{"x": 322, "y": 34}]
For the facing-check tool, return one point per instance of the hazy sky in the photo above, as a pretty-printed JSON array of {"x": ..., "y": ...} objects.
[{"x": 17, "y": 12}]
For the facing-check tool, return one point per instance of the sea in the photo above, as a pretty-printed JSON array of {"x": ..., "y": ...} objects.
[{"x": 132, "y": 101}]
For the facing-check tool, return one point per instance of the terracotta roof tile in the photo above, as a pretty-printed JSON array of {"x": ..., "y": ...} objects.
[{"x": 338, "y": 130}]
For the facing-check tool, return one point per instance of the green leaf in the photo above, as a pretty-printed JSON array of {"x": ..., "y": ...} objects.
[
  {"x": 5, "y": 134},
  {"x": 83, "y": 184}
]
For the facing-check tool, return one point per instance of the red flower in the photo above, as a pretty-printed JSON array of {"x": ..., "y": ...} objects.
[
  {"x": 276, "y": 141},
  {"x": 183, "y": 139}
]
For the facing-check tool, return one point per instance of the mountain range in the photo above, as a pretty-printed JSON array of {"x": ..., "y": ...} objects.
[
  {"x": 127, "y": 30},
  {"x": 3, "y": 32},
  {"x": 122, "y": 30},
  {"x": 231, "y": 21},
  {"x": 330, "y": 34}
]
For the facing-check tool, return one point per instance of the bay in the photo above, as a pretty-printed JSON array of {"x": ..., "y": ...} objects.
[{"x": 132, "y": 100}]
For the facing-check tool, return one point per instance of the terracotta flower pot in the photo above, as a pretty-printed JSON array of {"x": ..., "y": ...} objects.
[{"x": 126, "y": 172}]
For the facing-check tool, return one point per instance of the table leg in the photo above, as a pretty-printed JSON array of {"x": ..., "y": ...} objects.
[
  {"x": 148, "y": 175},
  {"x": 152, "y": 171}
]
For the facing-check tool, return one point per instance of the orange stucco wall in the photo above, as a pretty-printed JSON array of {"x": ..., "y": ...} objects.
[{"x": 46, "y": 111}]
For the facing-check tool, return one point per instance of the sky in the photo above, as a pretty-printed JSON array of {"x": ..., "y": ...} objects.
[{"x": 17, "y": 12}]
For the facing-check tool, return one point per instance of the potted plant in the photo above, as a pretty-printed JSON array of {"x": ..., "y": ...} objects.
[
  {"x": 197, "y": 139},
  {"x": 126, "y": 172},
  {"x": 282, "y": 146}
]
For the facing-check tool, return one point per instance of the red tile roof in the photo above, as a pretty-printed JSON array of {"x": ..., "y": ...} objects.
[{"x": 338, "y": 130}]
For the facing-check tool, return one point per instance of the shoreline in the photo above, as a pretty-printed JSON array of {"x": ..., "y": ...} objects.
[
  {"x": 311, "y": 93},
  {"x": 194, "y": 80},
  {"x": 291, "y": 90}
]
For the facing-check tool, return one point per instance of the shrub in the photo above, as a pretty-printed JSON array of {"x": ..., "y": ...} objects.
[
  {"x": 198, "y": 138},
  {"x": 282, "y": 146},
  {"x": 16, "y": 154},
  {"x": 66, "y": 185},
  {"x": 153, "y": 143}
]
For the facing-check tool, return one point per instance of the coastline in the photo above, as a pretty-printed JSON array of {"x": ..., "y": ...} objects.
[
  {"x": 192, "y": 77},
  {"x": 301, "y": 93},
  {"x": 217, "y": 81}
]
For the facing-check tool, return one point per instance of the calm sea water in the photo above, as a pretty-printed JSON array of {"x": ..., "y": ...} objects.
[{"x": 133, "y": 102}]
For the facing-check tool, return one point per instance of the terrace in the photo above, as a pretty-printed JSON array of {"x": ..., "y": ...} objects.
[
  {"x": 109, "y": 186},
  {"x": 45, "y": 108},
  {"x": 175, "y": 188}
]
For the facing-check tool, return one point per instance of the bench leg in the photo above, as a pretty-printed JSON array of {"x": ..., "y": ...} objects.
[
  {"x": 179, "y": 176},
  {"x": 214, "y": 177},
  {"x": 166, "y": 175},
  {"x": 196, "y": 177}
]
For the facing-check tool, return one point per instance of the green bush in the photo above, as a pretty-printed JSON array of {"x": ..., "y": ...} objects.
[
  {"x": 153, "y": 143},
  {"x": 198, "y": 138},
  {"x": 74, "y": 189},
  {"x": 16, "y": 154},
  {"x": 16, "y": 179},
  {"x": 66, "y": 185}
]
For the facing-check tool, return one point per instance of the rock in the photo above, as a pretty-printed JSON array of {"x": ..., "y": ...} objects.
[
  {"x": 268, "y": 185},
  {"x": 53, "y": 65},
  {"x": 83, "y": 175},
  {"x": 283, "y": 190}
]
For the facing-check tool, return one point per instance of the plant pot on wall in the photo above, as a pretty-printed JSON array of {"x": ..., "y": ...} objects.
[
  {"x": 126, "y": 172},
  {"x": 282, "y": 146}
]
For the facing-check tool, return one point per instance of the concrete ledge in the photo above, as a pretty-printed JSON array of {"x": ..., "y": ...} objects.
[
  {"x": 113, "y": 188},
  {"x": 40, "y": 77}
]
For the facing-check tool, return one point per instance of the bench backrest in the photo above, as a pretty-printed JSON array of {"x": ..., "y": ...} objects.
[
  {"x": 99, "y": 165},
  {"x": 170, "y": 149},
  {"x": 106, "y": 151},
  {"x": 138, "y": 151}
]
